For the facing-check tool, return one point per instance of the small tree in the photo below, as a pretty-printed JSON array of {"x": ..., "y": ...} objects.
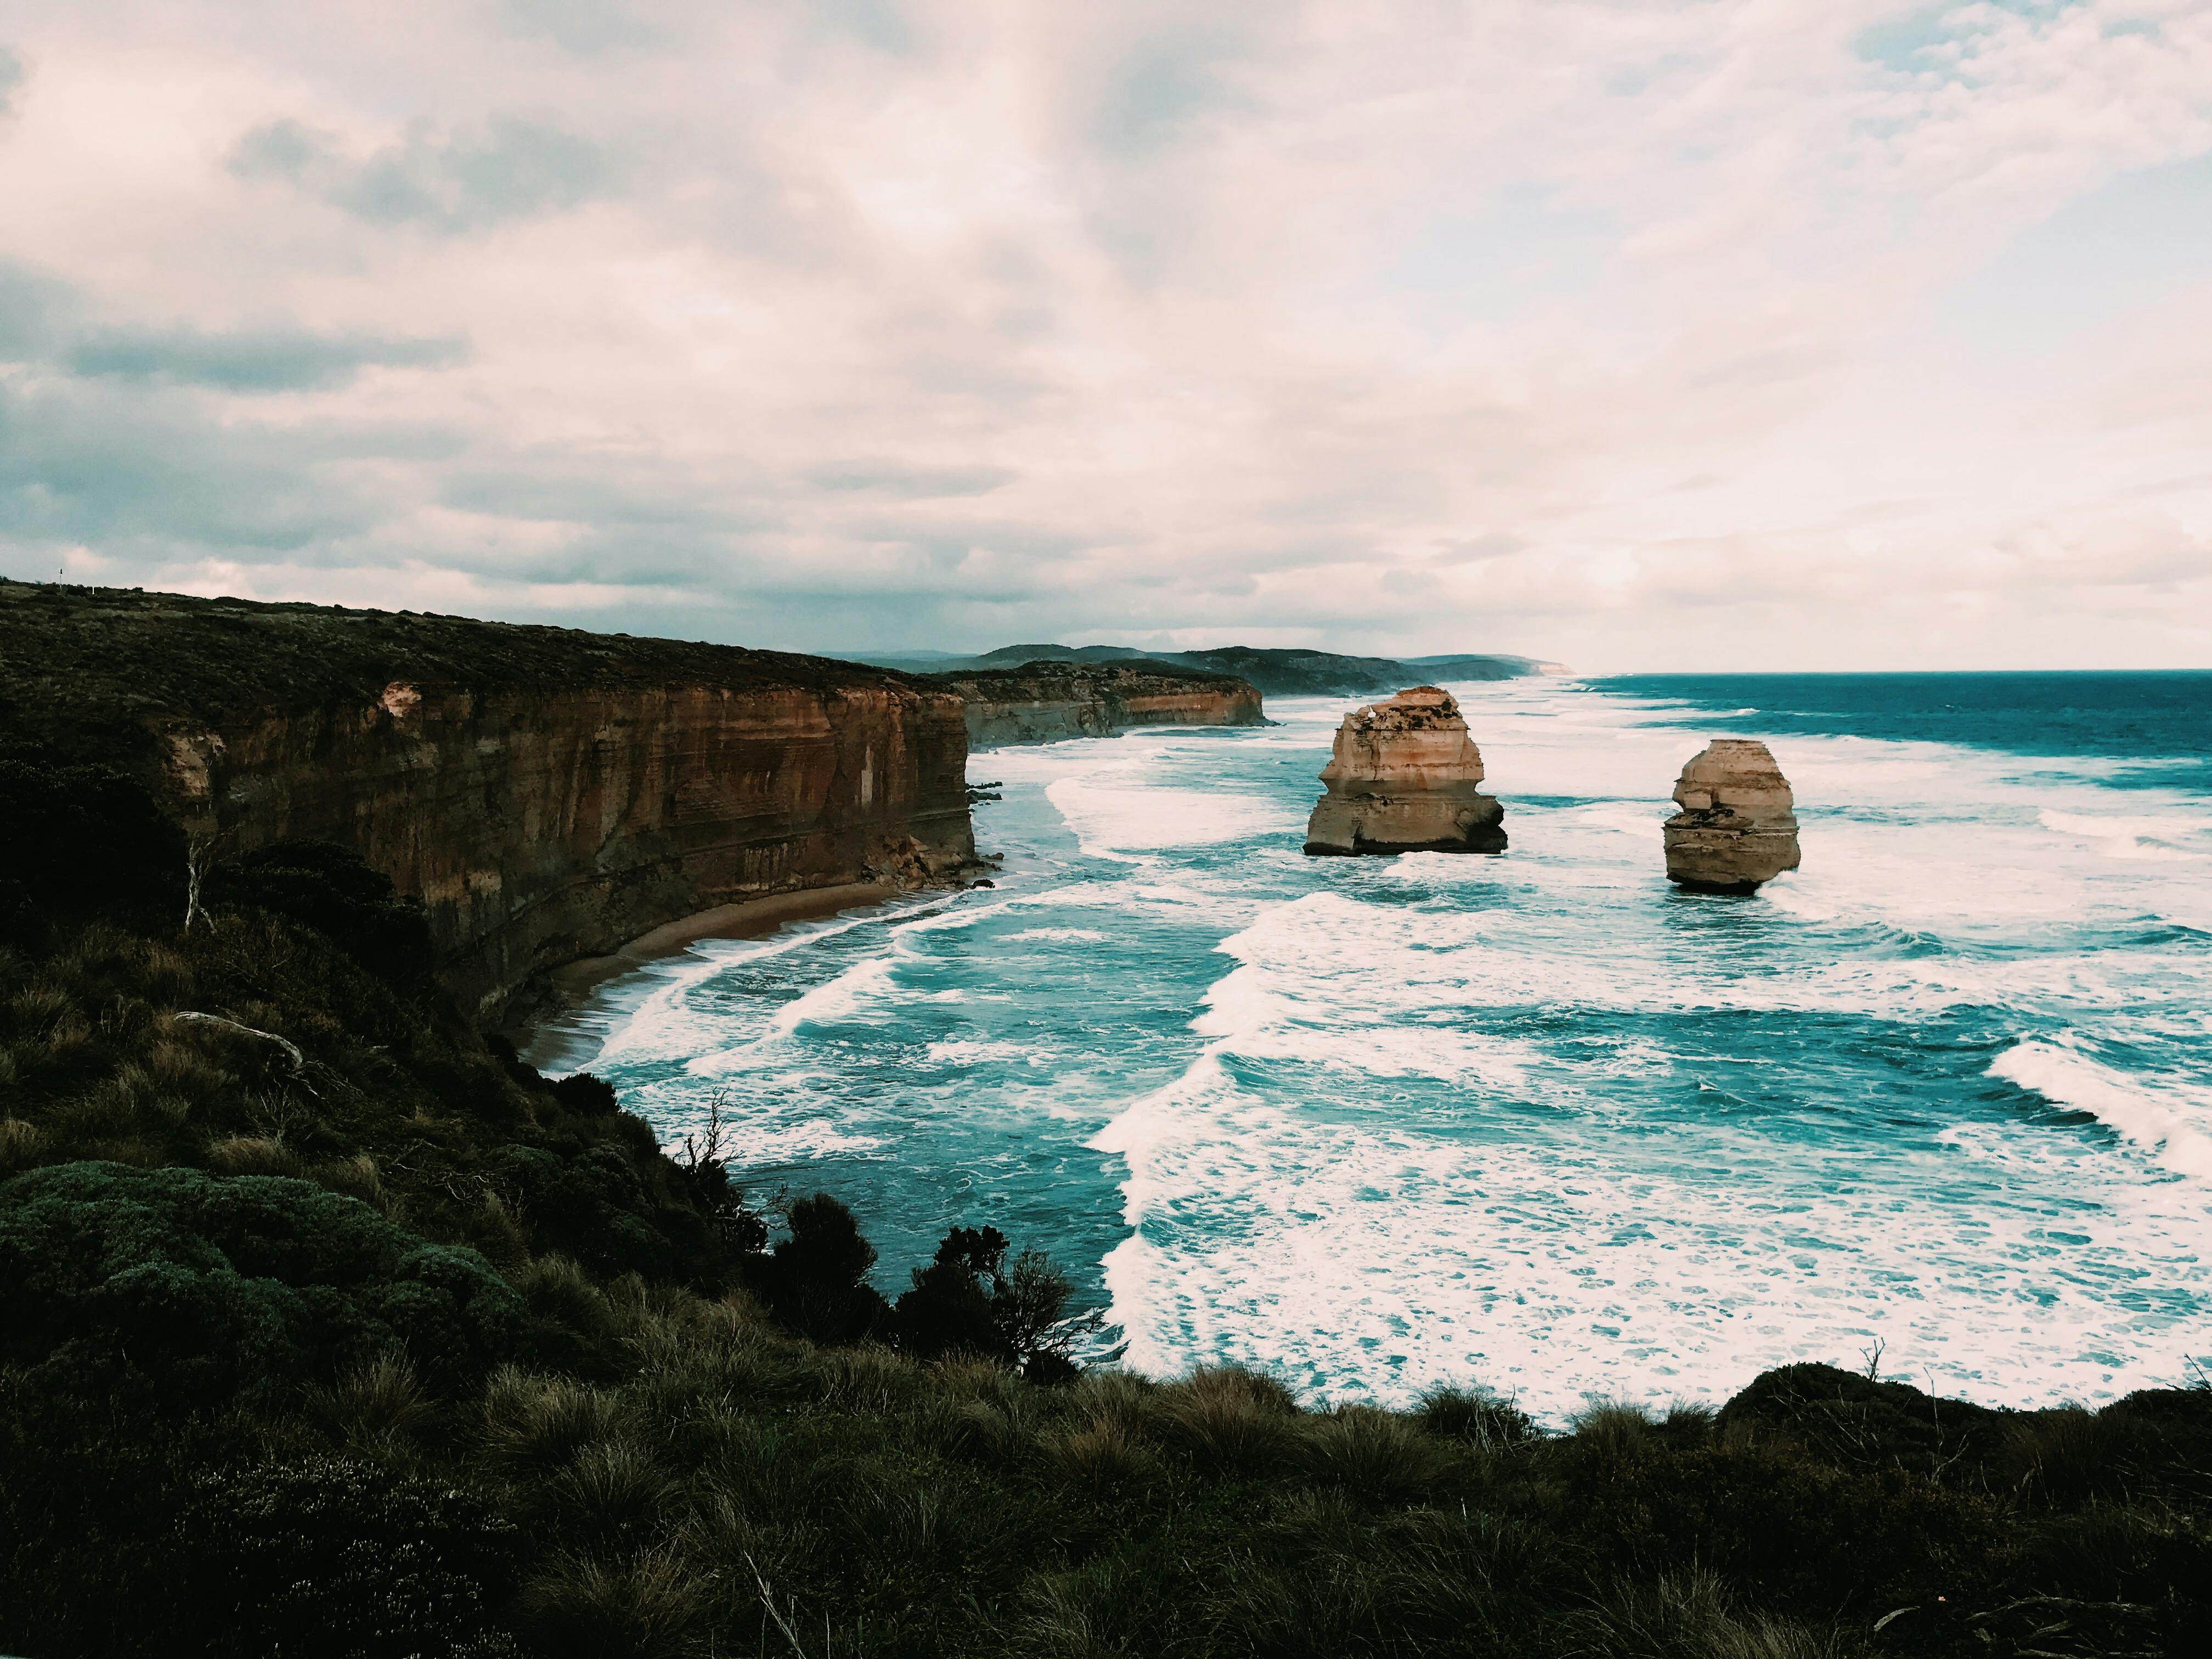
[
  {"x": 969, "y": 1300},
  {"x": 815, "y": 1280}
]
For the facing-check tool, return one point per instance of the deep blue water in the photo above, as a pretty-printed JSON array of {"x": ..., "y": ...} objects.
[
  {"x": 1540, "y": 1120},
  {"x": 2157, "y": 724}
]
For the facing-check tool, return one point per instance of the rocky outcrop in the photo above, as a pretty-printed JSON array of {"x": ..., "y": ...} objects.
[
  {"x": 1738, "y": 825},
  {"x": 1404, "y": 778},
  {"x": 1045, "y": 702},
  {"x": 549, "y": 794}
]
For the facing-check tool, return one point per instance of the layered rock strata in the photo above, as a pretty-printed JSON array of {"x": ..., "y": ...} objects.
[
  {"x": 1045, "y": 702},
  {"x": 1403, "y": 778},
  {"x": 549, "y": 794},
  {"x": 1738, "y": 825}
]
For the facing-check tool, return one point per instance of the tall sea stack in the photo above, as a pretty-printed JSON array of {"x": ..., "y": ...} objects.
[
  {"x": 1403, "y": 779},
  {"x": 1737, "y": 828}
]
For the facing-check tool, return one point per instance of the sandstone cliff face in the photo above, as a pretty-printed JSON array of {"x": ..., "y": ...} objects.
[
  {"x": 1738, "y": 825},
  {"x": 548, "y": 794},
  {"x": 1045, "y": 702},
  {"x": 1404, "y": 777}
]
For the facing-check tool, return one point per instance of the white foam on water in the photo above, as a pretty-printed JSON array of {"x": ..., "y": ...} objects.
[
  {"x": 1112, "y": 821},
  {"x": 977, "y": 1051},
  {"x": 2173, "y": 1120},
  {"x": 1433, "y": 1118},
  {"x": 864, "y": 985},
  {"x": 650, "y": 1014},
  {"x": 754, "y": 1142}
]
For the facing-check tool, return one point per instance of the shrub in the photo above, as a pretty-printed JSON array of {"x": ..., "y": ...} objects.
[
  {"x": 949, "y": 1310},
  {"x": 586, "y": 1096},
  {"x": 815, "y": 1280},
  {"x": 207, "y": 1283},
  {"x": 970, "y": 1300},
  {"x": 83, "y": 841},
  {"x": 1851, "y": 1420},
  {"x": 333, "y": 1555},
  {"x": 333, "y": 890},
  {"x": 1475, "y": 1415},
  {"x": 593, "y": 1204}
]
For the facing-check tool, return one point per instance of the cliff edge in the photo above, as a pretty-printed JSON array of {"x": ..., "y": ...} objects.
[
  {"x": 1044, "y": 701},
  {"x": 549, "y": 794}
]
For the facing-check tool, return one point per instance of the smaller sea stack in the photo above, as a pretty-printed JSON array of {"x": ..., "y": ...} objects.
[
  {"x": 1737, "y": 828},
  {"x": 1403, "y": 779}
]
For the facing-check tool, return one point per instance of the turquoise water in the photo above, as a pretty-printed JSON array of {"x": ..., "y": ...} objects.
[{"x": 1537, "y": 1121}]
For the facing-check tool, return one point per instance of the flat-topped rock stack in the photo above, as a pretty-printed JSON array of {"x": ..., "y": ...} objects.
[
  {"x": 1404, "y": 778},
  {"x": 1738, "y": 825}
]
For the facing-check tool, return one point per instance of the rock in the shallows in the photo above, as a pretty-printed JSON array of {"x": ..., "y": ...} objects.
[
  {"x": 1403, "y": 779},
  {"x": 1737, "y": 827}
]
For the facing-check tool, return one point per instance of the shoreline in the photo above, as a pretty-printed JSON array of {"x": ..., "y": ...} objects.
[{"x": 551, "y": 1036}]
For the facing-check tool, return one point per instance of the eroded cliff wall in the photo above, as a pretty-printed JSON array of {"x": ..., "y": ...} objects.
[
  {"x": 549, "y": 794},
  {"x": 1044, "y": 701}
]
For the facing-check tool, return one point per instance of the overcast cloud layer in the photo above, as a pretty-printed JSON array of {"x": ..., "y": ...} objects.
[{"x": 1736, "y": 334}]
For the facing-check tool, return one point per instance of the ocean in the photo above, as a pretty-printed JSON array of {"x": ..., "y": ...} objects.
[{"x": 1941, "y": 1100}]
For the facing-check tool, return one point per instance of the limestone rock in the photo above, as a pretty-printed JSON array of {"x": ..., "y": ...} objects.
[
  {"x": 1044, "y": 701},
  {"x": 1403, "y": 779},
  {"x": 1737, "y": 827}
]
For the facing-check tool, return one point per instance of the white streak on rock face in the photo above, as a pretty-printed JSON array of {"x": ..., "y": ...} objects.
[
  {"x": 1738, "y": 825},
  {"x": 1403, "y": 778}
]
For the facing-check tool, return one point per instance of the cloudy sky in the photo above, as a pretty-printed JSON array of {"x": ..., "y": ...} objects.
[{"x": 1718, "y": 334}]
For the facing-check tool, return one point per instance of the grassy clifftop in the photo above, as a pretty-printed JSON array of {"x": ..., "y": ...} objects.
[{"x": 92, "y": 665}]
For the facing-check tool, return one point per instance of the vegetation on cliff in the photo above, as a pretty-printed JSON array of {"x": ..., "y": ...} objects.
[
  {"x": 326, "y": 1326},
  {"x": 1275, "y": 671},
  {"x": 94, "y": 670},
  {"x": 1044, "y": 701}
]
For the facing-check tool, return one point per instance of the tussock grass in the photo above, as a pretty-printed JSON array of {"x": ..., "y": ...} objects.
[
  {"x": 1102, "y": 1456},
  {"x": 537, "y": 1424},
  {"x": 645, "y": 1607},
  {"x": 1376, "y": 1456},
  {"x": 382, "y": 1401},
  {"x": 1692, "y": 1616}
]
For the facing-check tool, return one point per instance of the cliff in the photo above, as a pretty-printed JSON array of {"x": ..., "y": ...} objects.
[
  {"x": 1405, "y": 777},
  {"x": 1275, "y": 672},
  {"x": 1043, "y": 702},
  {"x": 548, "y": 793}
]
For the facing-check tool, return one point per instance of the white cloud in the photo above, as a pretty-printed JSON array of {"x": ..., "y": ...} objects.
[{"x": 1642, "y": 335}]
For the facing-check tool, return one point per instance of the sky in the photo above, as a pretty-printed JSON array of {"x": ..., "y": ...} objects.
[{"x": 1722, "y": 334}]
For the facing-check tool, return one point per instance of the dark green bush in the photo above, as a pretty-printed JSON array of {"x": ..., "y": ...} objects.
[
  {"x": 333, "y": 890},
  {"x": 1807, "y": 1534},
  {"x": 971, "y": 1300},
  {"x": 83, "y": 841},
  {"x": 206, "y": 1284},
  {"x": 815, "y": 1280},
  {"x": 586, "y": 1096},
  {"x": 1845, "y": 1418},
  {"x": 334, "y": 1556}
]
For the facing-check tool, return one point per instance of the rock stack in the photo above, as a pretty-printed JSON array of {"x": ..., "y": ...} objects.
[
  {"x": 1403, "y": 779},
  {"x": 1736, "y": 828}
]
